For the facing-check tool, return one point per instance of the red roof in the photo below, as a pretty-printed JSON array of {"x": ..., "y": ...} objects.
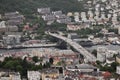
[{"x": 106, "y": 74}]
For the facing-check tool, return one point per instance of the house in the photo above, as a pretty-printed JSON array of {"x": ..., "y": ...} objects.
[
  {"x": 11, "y": 14},
  {"x": 48, "y": 17},
  {"x": 65, "y": 20},
  {"x": 33, "y": 75},
  {"x": 73, "y": 27},
  {"x": 43, "y": 11},
  {"x": 57, "y": 13},
  {"x": 62, "y": 16}
]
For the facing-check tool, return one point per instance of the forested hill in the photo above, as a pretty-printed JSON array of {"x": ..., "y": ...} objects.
[{"x": 30, "y": 6}]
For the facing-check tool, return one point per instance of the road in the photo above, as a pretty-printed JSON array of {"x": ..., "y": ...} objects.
[{"x": 87, "y": 55}]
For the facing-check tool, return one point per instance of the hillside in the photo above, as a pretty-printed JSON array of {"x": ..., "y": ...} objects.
[{"x": 30, "y": 6}]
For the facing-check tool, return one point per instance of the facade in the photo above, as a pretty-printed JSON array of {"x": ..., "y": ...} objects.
[{"x": 33, "y": 75}]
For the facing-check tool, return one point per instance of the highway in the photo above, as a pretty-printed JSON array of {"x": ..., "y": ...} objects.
[{"x": 87, "y": 55}]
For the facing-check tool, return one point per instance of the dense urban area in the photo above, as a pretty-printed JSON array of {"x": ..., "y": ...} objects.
[{"x": 59, "y": 39}]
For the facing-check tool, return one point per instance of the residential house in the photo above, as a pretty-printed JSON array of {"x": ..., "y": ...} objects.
[
  {"x": 48, "y": 17},
  {"x": 65, "y": 20},
  {"x": 57, "y": 13},
  {"x": 43, "y": 11}
]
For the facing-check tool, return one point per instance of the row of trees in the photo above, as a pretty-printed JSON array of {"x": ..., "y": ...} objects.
[{"x": 30, "y": 6}]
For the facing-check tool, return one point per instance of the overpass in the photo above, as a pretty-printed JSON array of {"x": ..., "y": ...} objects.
[{"x": 88, "y": 56}]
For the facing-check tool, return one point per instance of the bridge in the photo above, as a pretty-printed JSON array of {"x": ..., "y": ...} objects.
[{"x": 87, "y": 55}]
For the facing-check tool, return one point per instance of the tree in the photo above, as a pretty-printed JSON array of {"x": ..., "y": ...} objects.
[
  {"x": 114, "y": 65},
  {"x": 60, "y": 70},
  {"x": 51, "y": 60},
  {"x": 19, "y": 68},
  {"x": 35, "y": 59},
  {"x": 94, "y": 52}
]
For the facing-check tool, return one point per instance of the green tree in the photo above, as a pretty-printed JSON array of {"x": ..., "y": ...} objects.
[
  {"x": 51, "y": 60},
  {"x": 94, "y": 52},
  {"x": 35, "y": 59}
]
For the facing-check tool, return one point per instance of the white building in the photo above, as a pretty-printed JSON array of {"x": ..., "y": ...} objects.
[
  {"x": 118, "y": 70},
  {"x": 83, "y": 16},
  {"x": 43, "y": 10},
  {"x": 90, "y": 14},
  {"x": 101, "y": 54},
  {"x": 33, "y": 75}
]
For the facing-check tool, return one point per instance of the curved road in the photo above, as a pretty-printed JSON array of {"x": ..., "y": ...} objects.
[{"x": 88, "y": 56}]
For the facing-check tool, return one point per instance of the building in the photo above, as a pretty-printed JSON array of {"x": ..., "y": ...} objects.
[
  {"x": 82, "y": 68},
  {"x": 33, "y": 75},
  {"x": 7, "y": 28},
  {"x": 50, "y": 74},
  {"x": 43, "y": 11},
  {"x": 118, "y": 58},
  {"x": 14, "y": 18},
  {"x": 12, "y": 39},
  {"x": 48, "y": 17},
  {"x": 15, "y": 76},
  {"x": 118, "y": 70},
  {"x": 2, "y": 26},
  {"x": 65, "y": 20},
  {"x": 101, "y": 54},
  {"x": 10, "y": 75},
  {"x": 73, "y": 27},
  {"x": 57, "y": 13}
]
